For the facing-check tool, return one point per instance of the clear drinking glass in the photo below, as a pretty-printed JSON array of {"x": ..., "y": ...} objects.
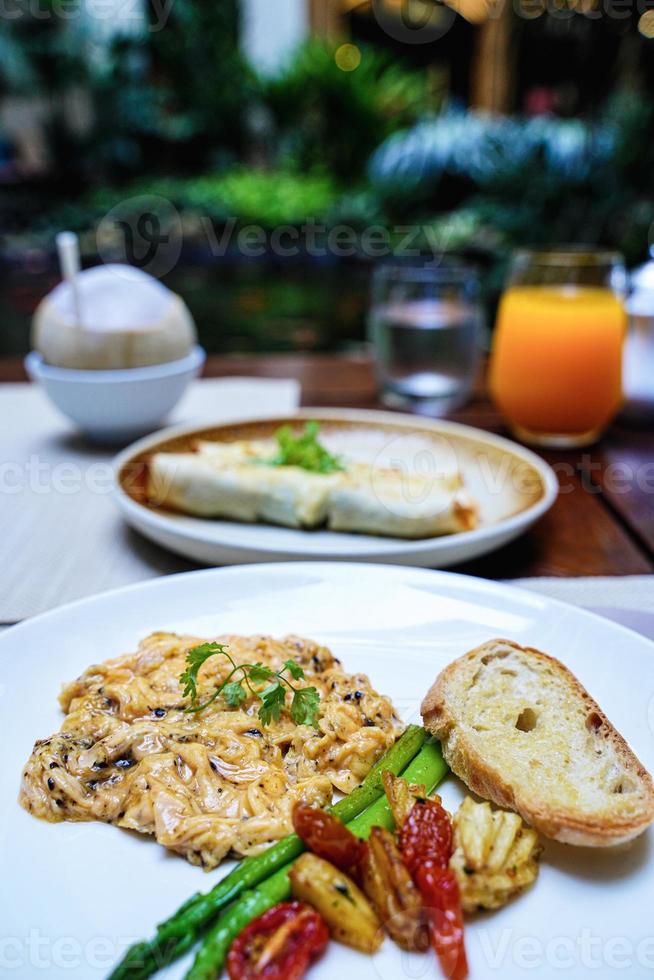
[
  {"x": 557, "y": 351},
  {"x": 425, "y": 327}
]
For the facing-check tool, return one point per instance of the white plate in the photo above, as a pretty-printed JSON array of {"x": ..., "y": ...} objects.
[
  {"x": 75, "y": 894},
  {"x": 513, "y": 486}
]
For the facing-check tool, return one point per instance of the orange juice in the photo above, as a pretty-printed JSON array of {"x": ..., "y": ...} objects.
[{"x": 557, "y": 360}]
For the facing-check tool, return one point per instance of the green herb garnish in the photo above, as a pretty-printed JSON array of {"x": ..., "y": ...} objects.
[
  {"x": 304, "y": 450},
  {"x": 237, "y": 686}
]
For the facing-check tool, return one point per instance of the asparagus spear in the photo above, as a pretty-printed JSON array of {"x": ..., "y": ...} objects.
[
  {"x": 178, "y": 933},
  {"x": 428, "y": 769}
]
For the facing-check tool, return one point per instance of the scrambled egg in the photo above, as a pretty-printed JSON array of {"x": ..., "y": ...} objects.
[
  {"x": 213, "y": 782},
  {"x": 495, "y": 855}
]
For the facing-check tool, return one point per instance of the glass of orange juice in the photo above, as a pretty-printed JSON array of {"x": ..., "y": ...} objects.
[{"x": 557, "y": 354}]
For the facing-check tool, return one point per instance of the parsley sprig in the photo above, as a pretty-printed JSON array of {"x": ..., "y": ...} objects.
[
  {"x": 304, "y": 450},
  {"x": 238, "y": 685}
]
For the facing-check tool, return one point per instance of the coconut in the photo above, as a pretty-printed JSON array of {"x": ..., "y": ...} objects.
[{"x": 112, "y": 316}]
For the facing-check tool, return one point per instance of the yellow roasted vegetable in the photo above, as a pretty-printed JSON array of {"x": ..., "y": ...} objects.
[
  {"x": 401, "y": 796},
  {"x": 495, "y": 855},
  {"x": 346, "y": 910},
  {"x": 388, "y": 884}
]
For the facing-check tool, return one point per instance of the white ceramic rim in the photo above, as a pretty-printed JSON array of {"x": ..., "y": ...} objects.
[
  {"x": 37, "y": 368},
  {"x": 500, "y": 588},
  {"x": 139, "y": 515}
]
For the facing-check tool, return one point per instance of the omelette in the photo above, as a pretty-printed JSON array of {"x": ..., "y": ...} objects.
[
  {"x": 236, "y": 481},
  {"x": 214, "y": 782}
]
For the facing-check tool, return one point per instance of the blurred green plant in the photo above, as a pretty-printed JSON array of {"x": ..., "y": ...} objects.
[
  {"x": 172, "y": 97},
  {"x": 42, "y": 60},
  {"x": 266, "y": 198},
  {"x": 325, "y": 117},
  {"x": 169, "y": 96},
  {"x": 526, "y": 181},
  {"x": 38, "y": 54}
]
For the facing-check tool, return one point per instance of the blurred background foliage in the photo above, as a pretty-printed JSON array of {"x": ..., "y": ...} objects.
[
  {"x": 384, "y": 144},
  {"x": 324, "y": 117}
]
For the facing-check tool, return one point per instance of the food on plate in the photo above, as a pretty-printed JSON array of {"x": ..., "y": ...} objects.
[
  {"x": 425, "y": 840},
  {"x": 377, "y": 865},
  {"x": 400, "y": 875},
  {"x": 266, "y": 875},
  {"x": 401, "y": 796},
  {"x": 325, "y": 835},
  {"x": 495, "y": 855},
  {"x": 440, "y": 894},
  {"x": 244, "y": 681},
  {"x": 279, "y": 945},
  {"x": 346, "y": 910},
  {"x": 294, "y": 481},
  {"x": 228, "y": 480},
  {"x": 370, "y": 500},
  {"x": 426, "y": 768},
  {"x": 519, "y": 729},
  {"x": 410, "y": 885},
  {"x": 220, "y": 773},
  {"x": 388, "y": 858},
  {"x": 388, "y": 884}
]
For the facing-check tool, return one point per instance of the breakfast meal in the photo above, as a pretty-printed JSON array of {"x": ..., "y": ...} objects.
[
  {"x": 295, "y": 481},
  {"x": 213, "y": 781},
  {"x": 234, "y": 745}
]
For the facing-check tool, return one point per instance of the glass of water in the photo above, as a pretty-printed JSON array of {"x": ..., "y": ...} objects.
[{"x": 425, "y": 327}]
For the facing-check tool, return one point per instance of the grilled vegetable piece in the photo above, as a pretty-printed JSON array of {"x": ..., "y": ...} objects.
[
  {"x": 426, "y": 845},
  {"x": 427, "y": 767},
  {"x": 495, "y": 855},
  {"x": 278, "y": 945},
  {"x": 440, "y": 894},
  {"x": 401, "y": 796},
  {"x": 389, "y": 886},
  {"x": 180, "y": 932},
  {"x": 426, "y": 835},
  {"x": 346, "y": 910},
  {"x": 328, "y": 837}
]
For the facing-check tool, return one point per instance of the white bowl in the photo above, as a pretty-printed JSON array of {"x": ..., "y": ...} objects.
[{"x": 116, "y": 405}]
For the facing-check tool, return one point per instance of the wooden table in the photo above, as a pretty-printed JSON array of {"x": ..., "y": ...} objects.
[{"x": 602, "y": 522}]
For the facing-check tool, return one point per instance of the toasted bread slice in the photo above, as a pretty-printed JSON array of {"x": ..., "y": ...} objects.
[{"x": 519, "y": 729}]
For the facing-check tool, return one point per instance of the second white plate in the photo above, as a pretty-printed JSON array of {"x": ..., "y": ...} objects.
[{"x": 513, "y": 486}]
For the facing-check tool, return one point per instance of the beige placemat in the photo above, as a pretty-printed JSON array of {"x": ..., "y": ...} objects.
[
  {"x": 60, "y": 533},
  {"x": 634, "y": 592}
]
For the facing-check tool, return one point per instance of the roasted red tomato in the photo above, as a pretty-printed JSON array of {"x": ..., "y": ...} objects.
[
  {"x": 426, "y": 845},
  {"x": 440, "y": 895},
  {"x": 426, "y": 835},
  {"x": 279, "y": 945},
  {"x": 328, "y": 837}
]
